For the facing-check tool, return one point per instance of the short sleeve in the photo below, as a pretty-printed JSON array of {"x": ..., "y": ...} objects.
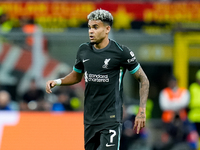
[
  {"x": 129, "y": 60},
  {"x": 78, "y": 67}
]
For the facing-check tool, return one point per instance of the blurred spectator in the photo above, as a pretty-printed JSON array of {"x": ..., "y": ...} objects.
[
  {"x": 173, "y": 101},
  {"x": 32, "y": 98},
  {"x": 63, "y": 103},
  {"x": 194, "y": 105},
  {"x": 5, "y": 101},
  {"x": 33, "y": 93},
  {"x": 67, "y": 99},
  {"x": 29, "y": 27}
]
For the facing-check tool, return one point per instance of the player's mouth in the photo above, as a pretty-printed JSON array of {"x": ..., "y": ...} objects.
[{"x": 91, "y": 37}]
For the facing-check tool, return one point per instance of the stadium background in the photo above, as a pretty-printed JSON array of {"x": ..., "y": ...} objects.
[{"x": 164, "y": 36}]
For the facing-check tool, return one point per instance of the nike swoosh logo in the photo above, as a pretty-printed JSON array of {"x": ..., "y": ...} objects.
[
  {"x": 109, "y": 145},
  {"x": 84, "y": 60}
]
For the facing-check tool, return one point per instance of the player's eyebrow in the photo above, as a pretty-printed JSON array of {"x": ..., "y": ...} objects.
[{"x": 94, "y": 25}]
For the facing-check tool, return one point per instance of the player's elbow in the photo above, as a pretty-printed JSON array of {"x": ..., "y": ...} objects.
[{"x": 144, "y": 81}]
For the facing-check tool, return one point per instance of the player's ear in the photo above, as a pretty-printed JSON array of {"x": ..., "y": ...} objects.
[{"x": 108, "y": 28}]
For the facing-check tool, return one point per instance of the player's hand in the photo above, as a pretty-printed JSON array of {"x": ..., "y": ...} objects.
[
  {"x": 50, "y": 84},
  {"x": 140, "y": 120}
]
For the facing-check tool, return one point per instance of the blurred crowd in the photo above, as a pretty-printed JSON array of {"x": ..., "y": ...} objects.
[
  {"x": 34, "y": 98},
  {"x": 65, "y": 98}
]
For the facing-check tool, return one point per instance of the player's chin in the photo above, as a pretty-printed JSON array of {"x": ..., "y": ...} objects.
[{"x": 93, "y": 42}]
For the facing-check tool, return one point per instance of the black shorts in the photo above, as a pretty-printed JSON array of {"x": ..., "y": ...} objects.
[{"x": 103, "y": 137}]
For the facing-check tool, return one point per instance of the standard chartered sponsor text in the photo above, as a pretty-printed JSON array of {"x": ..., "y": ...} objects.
[{"x": 98, "y": 78}]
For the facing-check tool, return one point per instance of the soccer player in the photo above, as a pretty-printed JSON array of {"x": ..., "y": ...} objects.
[{"x": 103, "y": 62}]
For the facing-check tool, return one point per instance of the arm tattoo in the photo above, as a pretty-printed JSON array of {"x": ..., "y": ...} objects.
[{"x": 144, "y": 87}]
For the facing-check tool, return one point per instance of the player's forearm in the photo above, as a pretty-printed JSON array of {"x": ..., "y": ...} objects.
[
  {"x": 68, "y": 81},
  {"x": 144, "y": 86},
  {"x": 144, "y": 91},
  {"x": 71, "y": 78}
]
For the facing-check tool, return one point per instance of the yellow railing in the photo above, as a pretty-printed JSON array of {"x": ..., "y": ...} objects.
[{"x": 181, "y": 55}]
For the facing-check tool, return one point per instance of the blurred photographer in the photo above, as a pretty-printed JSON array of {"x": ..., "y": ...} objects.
[{"x": 173, "y": 102}]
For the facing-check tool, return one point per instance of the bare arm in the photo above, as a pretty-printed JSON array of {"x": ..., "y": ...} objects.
[
  {"x": 70, "y": 79},
  {"x": 140, "y": 119}
]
